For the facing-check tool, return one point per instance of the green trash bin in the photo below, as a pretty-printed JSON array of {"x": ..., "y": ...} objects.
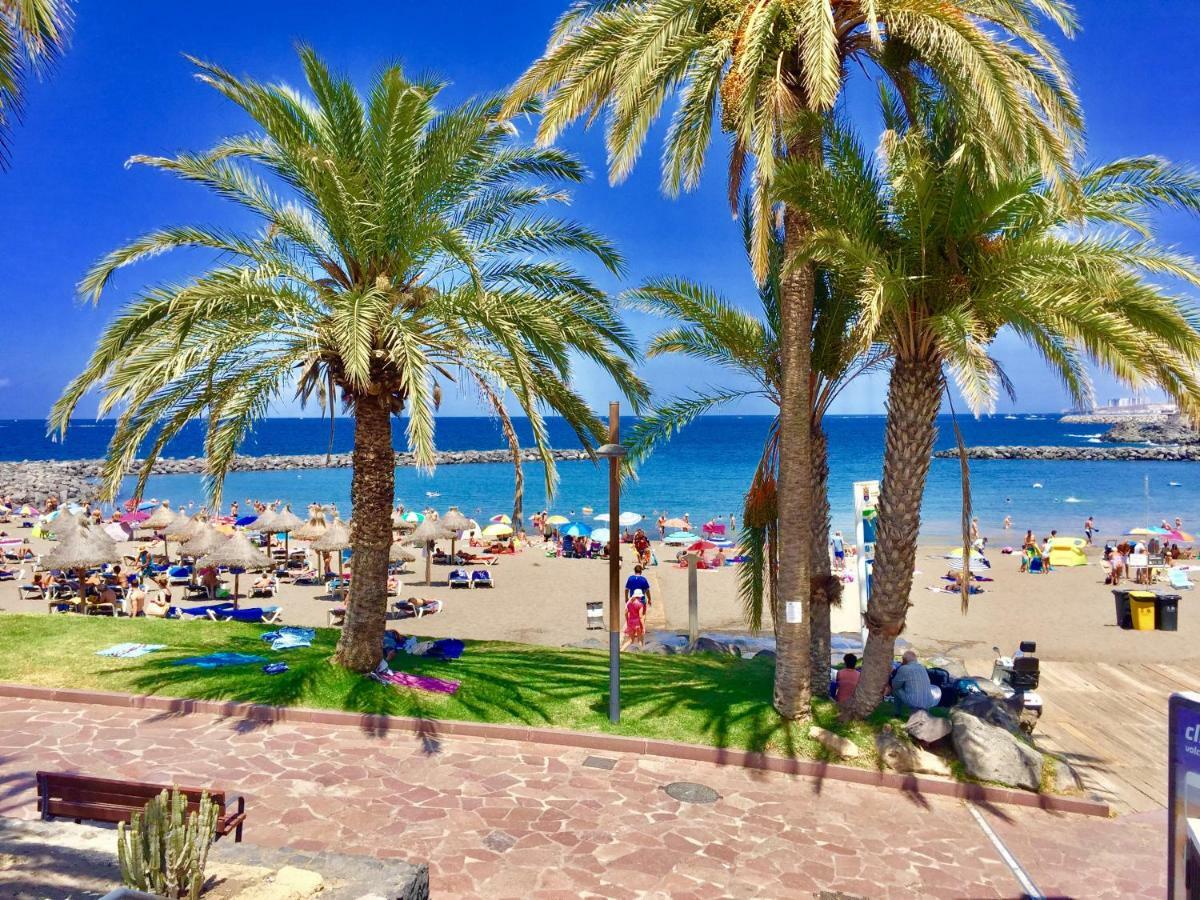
[{"x": 1166, "y": 612}]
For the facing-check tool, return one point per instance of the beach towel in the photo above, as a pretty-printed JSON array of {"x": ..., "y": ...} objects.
[
  {"x": 275, "y": 668},
  {"x": 445, "y": 648},
  {"x": 420, "y": 682},
  {"x": 289, "y": 637},
  {"x": 219, "y": 660},
  {"x": 129, "y": 651}
]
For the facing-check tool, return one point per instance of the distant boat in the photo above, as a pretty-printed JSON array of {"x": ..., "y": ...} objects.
[
  {"x": 1174, "y": 484},
  {"x": 1010, "y": 417},
  {"x": 1072, "y": 500},
  {"x": 1037, "y": 484},
  {"x": 433, "y": 494}
]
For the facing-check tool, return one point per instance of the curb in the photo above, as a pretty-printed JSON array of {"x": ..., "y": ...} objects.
[{"x": 382, "y": 724}]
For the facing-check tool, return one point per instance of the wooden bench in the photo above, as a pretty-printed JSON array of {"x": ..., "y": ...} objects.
[{"x": 82, "y": 797}]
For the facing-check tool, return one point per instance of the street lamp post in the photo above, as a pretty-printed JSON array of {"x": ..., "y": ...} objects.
[{"x": 614, "y": 452}]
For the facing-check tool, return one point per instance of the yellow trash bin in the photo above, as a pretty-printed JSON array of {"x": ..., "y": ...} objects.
[{"x": 1141, "y": 608}]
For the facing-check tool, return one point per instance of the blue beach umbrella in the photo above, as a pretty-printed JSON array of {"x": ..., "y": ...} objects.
[
  {"x": 575, "y": 529},
  {"x": 245, "y": 520},
  {"x": 601, "y": 535}
]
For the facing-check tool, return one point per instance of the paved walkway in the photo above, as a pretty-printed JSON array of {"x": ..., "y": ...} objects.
[{"x": 507, "y": 819}]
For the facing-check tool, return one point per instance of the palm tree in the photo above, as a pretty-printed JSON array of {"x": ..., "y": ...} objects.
[
  {"x": 767, "y": 71},
  {"x": 942, "y": 253},
  {"x": 719, "y": 333},
  {"x": 407, "y": 252},
  {"x": 32, "y": 34}
]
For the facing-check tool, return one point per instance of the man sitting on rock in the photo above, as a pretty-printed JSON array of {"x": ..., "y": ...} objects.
[{"x": 910, "y": 684}]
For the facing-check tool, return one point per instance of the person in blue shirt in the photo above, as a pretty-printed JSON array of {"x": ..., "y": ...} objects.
[
  {"x": 839, "y": 551},
  {"x": 637, "y": 582},
  {"x": 910, "y": 684}
]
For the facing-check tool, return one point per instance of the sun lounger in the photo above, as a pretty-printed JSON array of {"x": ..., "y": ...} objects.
[
  {"x": 459, "y": 578},
  {"x": 271, "y": 615},
  {"x": 268, "y": 591},
  {"x": 482, "y": 578},
  {"x": 1179, "y": 579},
  {"x": 179, "y": 575}
]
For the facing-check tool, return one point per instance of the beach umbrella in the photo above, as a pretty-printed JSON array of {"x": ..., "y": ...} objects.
[
  {"x": 425, "y": 534},
  {"x": 603, "y": 517},
  {"x": 286, "y": 522},
  {"x": 501, "y": 519},
  {"x": 160, "y": 518},
  {"x": 119, "y": 531},
  {"x": 335, "y": 539},
  {"x": 576, "y": 529},
  {"x": 204, "y": 538},
  {"x": 681, "y": 537},
  {"x": 676, "y": 523},
  {"x": 629, "y": 519},
  {"x": 314, "y": 527},
  {"x": 701, "y": 546},
  {"x": 498, "y": 530},
  {"x": 28, "y": 510},
  {"x": 413, "y": 517},
  {"x": 245, "y": 520},
  {"x": 1179, "y": 537},
  {"x": 137, "y": 517},
  {"x": 456, "y": 522},
  {"x": 180, "y": 530},
  {"x": 400, "y": 553},
  {"x": 237, "y": 554},
  {"x": 79, "y": 550},
  {"x": 601, "y": 534},
  {"x": 975, "y": 562},
  {"x": 557, "y": 520}
]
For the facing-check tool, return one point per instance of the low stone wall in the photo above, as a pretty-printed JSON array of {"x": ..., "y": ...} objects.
[
  {"x": 31, "y": 481},
  {"x": 1086, "y": 454}
]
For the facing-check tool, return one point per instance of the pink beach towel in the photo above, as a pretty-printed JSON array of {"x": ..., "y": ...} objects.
[{"x": 421, "y": 682}]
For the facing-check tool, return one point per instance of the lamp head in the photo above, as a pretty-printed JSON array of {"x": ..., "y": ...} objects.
[{"x": 612, "y": 451}]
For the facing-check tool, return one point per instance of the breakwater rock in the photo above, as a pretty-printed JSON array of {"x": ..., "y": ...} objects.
[
  {"x": 1114, "y": 418},
  {"x": 32, "y": 481},
  {"x": 1168, "y": 431},
  {"x": 1086, "y": 454}
]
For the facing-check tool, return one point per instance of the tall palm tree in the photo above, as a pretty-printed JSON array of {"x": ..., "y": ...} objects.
[
  {"x": 766, "y": 71},
  {"x": 32, "y": 34},
  {"x": 942, "y": 253},
  {"x": 745, "y": 344},
  {"x": 408, "y": 250}
]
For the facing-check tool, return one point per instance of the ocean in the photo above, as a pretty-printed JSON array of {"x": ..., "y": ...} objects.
[{"x": 703, "y": 472}]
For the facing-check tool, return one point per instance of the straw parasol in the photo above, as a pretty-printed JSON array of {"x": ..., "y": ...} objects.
[
  {"x": 287, "y": 522},
  {"x": 400, "y": 553},
  {"x": 237, "y": 554},
  {"x": 160, "y": 518},
  {"x": 455, "y": 522},
  {"x": 179, "y": 530},
  {"x": 204, "y": 539},
  {"x": 335, "y": 539},
  {"x": 314, "y": 527},
  {"x": 80, "y": 549},
  {"x": 425, "y": 534}
]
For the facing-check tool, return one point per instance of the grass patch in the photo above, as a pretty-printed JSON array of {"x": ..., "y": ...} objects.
[{"x": 711, "y": 700}]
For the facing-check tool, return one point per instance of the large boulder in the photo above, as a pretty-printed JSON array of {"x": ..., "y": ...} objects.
[
  {"x": 902, "y": 757},
  {"x": 992, "y": 753},
  {"x": 656, "y": 648},
  {"x": 709, "y": 645},
  {"x": 834, "y": 743},
  {"x": 1063, "y": 777},
  {"x": 927, "y": 729},
  {"x": 999, "y": 711}
]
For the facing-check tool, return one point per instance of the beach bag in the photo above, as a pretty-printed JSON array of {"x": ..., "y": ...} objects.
[{"x": 446, "y": 648}]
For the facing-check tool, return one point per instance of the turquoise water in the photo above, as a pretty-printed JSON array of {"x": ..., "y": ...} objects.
[{"x": 702, "y": 472}]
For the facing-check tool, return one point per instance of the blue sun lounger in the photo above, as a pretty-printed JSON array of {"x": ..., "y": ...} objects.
[
  {"x": 269, "y": 614},
  {"x": 459, "y": 578}
]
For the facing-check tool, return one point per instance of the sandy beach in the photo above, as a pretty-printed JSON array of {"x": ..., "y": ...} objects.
[{"x": 540, "y": 599}]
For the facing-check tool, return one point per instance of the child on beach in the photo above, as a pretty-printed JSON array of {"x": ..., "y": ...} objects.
[{"x": 635, "y": 627}]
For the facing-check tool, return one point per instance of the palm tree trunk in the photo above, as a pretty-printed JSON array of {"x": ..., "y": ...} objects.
[
  {"x": 914, "y": 396},
  {"x": 792, "y": 694},
  {"x": 372, "y": 488},
  {"x": 825, "y": 589}
]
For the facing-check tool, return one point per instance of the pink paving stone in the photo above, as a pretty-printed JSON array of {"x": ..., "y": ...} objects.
[{"x": 314, "y": 787}]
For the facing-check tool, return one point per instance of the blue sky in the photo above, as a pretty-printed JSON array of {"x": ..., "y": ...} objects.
[{"x": 124, "y": 88}]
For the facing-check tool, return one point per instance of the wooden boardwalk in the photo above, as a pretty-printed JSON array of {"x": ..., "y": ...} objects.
[{"x": 1110, "y": 721}]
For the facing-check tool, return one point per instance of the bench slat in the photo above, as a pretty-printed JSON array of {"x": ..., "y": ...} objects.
[{"x": 80, "y": 794}]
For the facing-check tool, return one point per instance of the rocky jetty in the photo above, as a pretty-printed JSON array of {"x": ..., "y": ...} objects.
[
  {"x": 1112, "y": 418},
  {"x": 1180, "y": 453},
  {"x": 31, "y": 481},
  {"x": 1167, "y": 431}
]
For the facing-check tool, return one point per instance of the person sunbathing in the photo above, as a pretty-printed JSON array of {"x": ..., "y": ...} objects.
[
  {"x": 263, "y": 583},
  {"x": 307, "y": 575},
  {"x": 419, "y": 606}
]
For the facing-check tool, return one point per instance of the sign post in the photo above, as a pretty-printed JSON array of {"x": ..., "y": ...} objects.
[
  {"x": 1183, "y": 797},
  {"x": 866, "y": 501}
]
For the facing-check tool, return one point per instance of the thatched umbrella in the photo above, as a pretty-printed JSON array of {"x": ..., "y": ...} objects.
[
  {"x": 424, "y": 535},
  {"x": 237, "y": 554},
  {"x": 160, "y": 518},
  {"x": 314, "y": 527},
  {"x": 455, "y": 522},
  {"x": 399, "y": 553},
  {"x": 287, "y": 522},
  {"x": 80, "y": 549},
  {"x": 335, "y": 539},
  {"x": 204, "y": 539}
]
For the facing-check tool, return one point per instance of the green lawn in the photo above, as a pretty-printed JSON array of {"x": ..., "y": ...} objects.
[{"x": 699, "y": 699}]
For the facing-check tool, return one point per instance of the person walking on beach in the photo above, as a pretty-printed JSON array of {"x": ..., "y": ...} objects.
[
  {"x": 662, "y": 527},
  {"x": 635, "y": 626},
  {"x": 1089, "y": 528},
  {"x": 1008, "y": 523},
  {"x": 838, "y": 546},
  {"x": 637, "y": 585}
]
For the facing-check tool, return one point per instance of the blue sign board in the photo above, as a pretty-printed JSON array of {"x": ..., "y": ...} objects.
[{"x": 1183, "y": 790}]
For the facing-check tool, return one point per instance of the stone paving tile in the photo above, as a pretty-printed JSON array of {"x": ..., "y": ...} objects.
[{"x": 509, "y": 819}]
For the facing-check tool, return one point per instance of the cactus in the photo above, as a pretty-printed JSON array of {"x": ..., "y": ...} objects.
[{"x": 162, "y": 852}]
